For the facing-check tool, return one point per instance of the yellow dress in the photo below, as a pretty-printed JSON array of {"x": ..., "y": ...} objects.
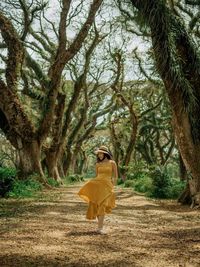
[{"x": 98, "y": 192}]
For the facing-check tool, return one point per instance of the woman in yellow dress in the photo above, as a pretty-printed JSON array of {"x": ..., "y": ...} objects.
[{"x": 98, "y": 192}]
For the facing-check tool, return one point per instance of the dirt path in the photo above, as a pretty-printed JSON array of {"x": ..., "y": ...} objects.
[{"x": 53, "y": 231}]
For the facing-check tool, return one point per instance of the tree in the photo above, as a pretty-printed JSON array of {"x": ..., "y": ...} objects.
[
  {"x": 177, "y": 61},
  {"x": 118, "y": 86},
  {"x": 17, "y": 126},
  {"x": 63, "y": 120},
  {"x": 155, "y": 135}
]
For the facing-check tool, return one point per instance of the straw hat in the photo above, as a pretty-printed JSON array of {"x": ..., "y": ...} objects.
[{"x": 104, "y": 150}]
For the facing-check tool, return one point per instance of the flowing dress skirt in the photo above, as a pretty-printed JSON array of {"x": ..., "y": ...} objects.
[{"x": 98, "y": 193}]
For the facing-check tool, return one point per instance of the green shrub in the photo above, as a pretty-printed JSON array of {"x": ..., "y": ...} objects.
[
  {"x": 137, "y": 170},
  {"x": 164, "y": 185},
  {"x": 53, "y": 182},
  {"x": 176, "y": 188},
  {"x": 129, "y": 183},
  {"x": 25, "y": 188},
  {"x": 161, "y": 182},
  {"x": 74, "y": 178},
  {"x": 143, "y": 185},
  {"x": 7, "y": 178},
  {"x": 138, "y": 177},
  {"x": 130, "y": 176},
  {"x": 154, "y": 181},
  {"x": 120, "y": 181}
]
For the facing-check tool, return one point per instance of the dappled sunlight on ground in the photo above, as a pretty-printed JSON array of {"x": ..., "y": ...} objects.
[{"x": 53, "y": 231}]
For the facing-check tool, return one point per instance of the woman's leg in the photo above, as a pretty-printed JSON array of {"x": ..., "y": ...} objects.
[{"x": 100, "y": 221}]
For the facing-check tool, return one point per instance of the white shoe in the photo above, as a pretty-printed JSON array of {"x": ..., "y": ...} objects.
[{"x": 101, "y": 231}]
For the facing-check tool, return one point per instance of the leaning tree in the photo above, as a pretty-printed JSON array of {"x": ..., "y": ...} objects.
[{"x": 178, "y": 63}]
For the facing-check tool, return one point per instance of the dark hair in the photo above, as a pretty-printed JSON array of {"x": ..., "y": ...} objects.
[{"x": 105, "y": 156}]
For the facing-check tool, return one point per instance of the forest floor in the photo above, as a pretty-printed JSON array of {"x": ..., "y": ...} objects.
[{"x": 52, "y": 231}]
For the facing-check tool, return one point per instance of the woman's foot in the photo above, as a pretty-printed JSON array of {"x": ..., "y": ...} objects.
[{"x": 101, "y": 231}]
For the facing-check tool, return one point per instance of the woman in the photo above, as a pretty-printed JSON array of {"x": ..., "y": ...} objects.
[{"x": 98, "y": 192}]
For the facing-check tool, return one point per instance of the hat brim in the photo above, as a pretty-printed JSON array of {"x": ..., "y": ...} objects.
[{"x": 102, "y": 151}]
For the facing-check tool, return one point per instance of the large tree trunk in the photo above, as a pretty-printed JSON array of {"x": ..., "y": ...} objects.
[
  {"x": 60, "y": 169},
  {"x": 29, "y": 159},
  {"x": 82, "y": 162},
  {"x": 182, "y": 170},
  {"x": 185, "y": 197},
  {"x": 52, "y": 153},
  {"x": 67, "y": 162},
  {"x": 78, "y": 161},
  {"x": 189, "y": 151},
  {"x": 52, "y": 165}
]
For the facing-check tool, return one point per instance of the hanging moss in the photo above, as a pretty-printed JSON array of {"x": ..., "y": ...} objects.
[{"x": 176, "y": 56}]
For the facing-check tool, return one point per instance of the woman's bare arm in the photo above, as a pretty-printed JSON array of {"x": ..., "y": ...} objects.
[{"x": 115, "y": 172}]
